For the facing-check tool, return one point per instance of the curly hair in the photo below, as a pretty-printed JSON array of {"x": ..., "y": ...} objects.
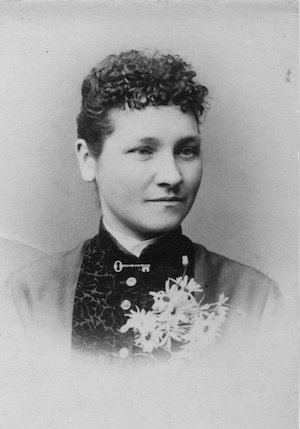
[{"x": 135, "y": 80}]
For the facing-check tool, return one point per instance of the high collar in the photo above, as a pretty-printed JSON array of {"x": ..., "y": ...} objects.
[
  {"x": 132, "y": 245},
  {"x": 169, "y": 245}
]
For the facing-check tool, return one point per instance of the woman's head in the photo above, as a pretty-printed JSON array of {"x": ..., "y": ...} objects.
[
  {"x": 135, "y": 80},
  {"x": 139, "y": 141}
]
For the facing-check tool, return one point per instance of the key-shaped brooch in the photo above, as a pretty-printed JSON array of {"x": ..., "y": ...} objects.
[{"x": 118, "y": 267}]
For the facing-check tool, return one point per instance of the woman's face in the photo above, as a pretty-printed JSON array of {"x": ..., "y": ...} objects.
[{"x": 149, "y": 171}]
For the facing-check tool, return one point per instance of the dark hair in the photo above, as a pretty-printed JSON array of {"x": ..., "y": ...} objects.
[{"x": 135, "y": 80}]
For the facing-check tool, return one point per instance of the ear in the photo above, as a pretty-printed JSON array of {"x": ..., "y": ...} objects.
[{"x": 87, "y": 163}]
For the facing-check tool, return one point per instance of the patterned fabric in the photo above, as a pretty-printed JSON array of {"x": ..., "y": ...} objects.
[{"x": 104, "y": 297}]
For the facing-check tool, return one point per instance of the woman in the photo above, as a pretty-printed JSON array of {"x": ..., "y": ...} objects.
[{"x": 129, "y": 290}]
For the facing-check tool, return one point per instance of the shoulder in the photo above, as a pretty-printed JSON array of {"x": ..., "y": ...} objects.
[
  {"x": 46, "y": 275},
  {"x": 56, "y": 264},
  {"x": 221, "y": 267},
  {"x": 38, "y": 298},
  {"x": 247, "y": 288}
]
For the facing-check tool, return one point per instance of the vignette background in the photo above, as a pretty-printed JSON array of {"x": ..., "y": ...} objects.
[{"x": 245, "y": 52}]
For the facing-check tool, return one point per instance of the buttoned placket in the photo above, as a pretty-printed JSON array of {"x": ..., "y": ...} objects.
[
  {"x": 128, "y": 279},
  {"x": 130, "y": 288}
]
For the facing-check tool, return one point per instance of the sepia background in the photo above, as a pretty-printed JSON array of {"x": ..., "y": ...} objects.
[{"x": 244, "y": 52}]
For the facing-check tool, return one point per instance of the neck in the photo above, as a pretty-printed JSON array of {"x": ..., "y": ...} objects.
[{"x": 131, "y": 244}]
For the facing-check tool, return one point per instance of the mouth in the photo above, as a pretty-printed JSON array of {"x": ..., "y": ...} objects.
[{"x": 166, "y": 199}]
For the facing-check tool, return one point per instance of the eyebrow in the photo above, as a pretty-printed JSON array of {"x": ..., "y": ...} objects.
[
  {"x": 189, "y": 139},
  {"x": 181, "y": 141}
]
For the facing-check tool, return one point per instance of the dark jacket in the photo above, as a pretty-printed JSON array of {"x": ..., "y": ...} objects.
[{"x": 40, "y": 298}]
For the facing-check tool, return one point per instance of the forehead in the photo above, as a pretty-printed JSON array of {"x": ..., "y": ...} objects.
[{"x": 163, "y": 122}]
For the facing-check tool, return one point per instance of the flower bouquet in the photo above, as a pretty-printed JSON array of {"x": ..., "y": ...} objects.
[{"x": 177, "y": 323}]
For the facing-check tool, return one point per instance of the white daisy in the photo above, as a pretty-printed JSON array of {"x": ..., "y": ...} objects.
[
  {"x": 188, "y": 285},
  {"x": 147, "y": 332}
]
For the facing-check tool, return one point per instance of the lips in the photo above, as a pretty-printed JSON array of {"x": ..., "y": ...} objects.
[{"x": 167, "y": 199}]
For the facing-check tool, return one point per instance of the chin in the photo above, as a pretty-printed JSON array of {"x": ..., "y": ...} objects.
[{"x": 161, "y": 228}]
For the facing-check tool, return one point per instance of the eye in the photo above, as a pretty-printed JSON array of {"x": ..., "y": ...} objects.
[
  {"x": 142, "y": 152},
  {"x": 189, "y": 151}
]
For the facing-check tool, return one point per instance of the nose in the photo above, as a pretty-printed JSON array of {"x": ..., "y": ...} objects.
[{"x": 168, "y": 172}]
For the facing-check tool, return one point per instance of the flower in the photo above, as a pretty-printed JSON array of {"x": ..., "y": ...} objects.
[
  {"x": 147, "y": 333},
  {"x": 205, "y": 330},
  {"x": 188, "y": 285},
  {"x": 222, "y": 300},
  {"x": 177, "y": 316},
  {"x": 174, "y": 300}
]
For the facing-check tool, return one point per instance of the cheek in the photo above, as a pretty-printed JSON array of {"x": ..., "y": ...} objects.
[
  {"x": 193, "y": 176},
  {"x": 119, "y": 184}
]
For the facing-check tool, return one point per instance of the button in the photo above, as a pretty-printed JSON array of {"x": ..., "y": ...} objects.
[
  {"x": 131, "y": 281},
  {"x": 124, "y": 353},
  {"x": 126, "y": 304}
]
